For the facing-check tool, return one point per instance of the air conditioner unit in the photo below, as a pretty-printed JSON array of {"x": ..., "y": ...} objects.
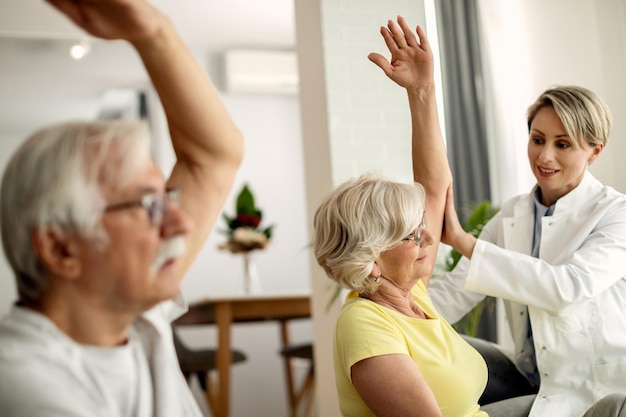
[
  {"x": 260, "y": 72},
  {"x": 119, "y": 104}
]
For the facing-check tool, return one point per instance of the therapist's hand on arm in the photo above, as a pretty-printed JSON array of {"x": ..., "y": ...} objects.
[{"x": 453, "y": 233}]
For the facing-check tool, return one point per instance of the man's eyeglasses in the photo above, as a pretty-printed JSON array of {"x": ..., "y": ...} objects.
[
  {"x": 155, "y": 205},
  {"x": 416, "y": 236}
]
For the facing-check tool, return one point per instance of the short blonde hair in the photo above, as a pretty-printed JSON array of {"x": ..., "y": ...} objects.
[
  {"x": 358, "y": 221},
  {"x": 584, "y": 115}
]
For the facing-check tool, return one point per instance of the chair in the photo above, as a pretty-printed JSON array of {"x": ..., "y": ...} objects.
[
  {"x": 200, "y": 362},
  {"x": 300, "y": 393}
]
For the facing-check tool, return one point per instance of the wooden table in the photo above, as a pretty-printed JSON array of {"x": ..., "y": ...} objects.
[{"x": 223, "y": 311}]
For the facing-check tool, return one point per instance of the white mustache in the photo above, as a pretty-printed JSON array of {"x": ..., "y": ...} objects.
[{"x": 168, "y": 250}]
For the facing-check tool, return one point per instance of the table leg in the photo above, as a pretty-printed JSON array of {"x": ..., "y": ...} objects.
[
  {"x": 284, "y": 338},
  {"x": 223, "y": 319}
]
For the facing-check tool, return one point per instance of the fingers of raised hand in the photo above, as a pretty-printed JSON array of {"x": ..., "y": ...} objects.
[
  {"x": 380, "y": 61},
  {"x": 409, "y": 37},
  {"x": 389, "y": 40},
  {"x": 419, "y": 42},
  {"x": 423, "y": 41},
  {"x": 397, "y": 34},
  {"x": 399, "y": 37},
  {"x": 112, "y": 19}
]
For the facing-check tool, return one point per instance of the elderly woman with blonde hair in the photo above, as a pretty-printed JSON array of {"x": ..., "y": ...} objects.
[{"x": 394, "y": 354}]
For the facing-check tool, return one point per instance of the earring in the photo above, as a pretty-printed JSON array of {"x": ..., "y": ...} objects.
[{"x": 377, "y": 279}]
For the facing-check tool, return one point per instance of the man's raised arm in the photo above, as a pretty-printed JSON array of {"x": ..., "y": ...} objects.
[{"x": 207, "y": 144}]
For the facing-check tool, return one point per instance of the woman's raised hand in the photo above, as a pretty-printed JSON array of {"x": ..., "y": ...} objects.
[{"x": 411, "y": 64}]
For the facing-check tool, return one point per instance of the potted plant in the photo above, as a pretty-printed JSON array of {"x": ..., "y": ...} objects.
[{"x": 246, "y": 235}]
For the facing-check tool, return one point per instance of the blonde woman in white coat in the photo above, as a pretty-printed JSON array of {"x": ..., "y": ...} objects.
[{"x": 557, "y": 258}]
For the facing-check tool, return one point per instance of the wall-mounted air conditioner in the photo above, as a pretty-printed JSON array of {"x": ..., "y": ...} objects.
[
  {"x": 260, "y": 72},
  {"x": 119, "y": 104}
]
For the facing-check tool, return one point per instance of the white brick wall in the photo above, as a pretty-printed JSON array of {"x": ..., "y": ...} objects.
[{"x": 368, "y": 114}]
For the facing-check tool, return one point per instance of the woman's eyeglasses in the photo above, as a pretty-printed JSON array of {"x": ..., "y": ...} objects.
[{"x": 416, "y": 236}]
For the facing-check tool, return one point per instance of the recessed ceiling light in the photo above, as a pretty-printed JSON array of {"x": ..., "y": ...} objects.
[{"x": 80, "y": 49}]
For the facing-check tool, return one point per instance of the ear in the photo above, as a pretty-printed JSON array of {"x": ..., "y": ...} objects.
[
  {"x": 58, "y": 252},
  {"x": 595, "y": 153},
  {"x": 375, "y": 273}
]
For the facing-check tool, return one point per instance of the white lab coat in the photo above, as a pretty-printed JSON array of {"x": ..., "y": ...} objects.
[{"x": 575, "y": 292}]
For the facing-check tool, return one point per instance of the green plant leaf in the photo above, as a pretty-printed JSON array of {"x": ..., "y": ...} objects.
[
  {"x": 247, "y": 216},
  {"x": 245, "y": 202},
  {"x": 268, "y": 231}
]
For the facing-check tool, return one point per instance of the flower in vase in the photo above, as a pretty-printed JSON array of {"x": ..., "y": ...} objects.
[{"x": 244, "y": 231}]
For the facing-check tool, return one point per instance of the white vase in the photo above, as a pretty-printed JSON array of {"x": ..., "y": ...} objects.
[{"x": 251, "y": 281}]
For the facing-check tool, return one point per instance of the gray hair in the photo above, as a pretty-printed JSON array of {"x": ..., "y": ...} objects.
[
  {"x": 584, "y": 115},
  {"x": 55, "y": 180},
  {"x": 358, "y": 221}
]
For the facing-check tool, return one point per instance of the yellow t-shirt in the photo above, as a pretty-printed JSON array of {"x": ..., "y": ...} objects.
[{"x": 454, "y": 371}]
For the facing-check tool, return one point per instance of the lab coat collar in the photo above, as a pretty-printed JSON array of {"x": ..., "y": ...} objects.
[{"x": 569, "y": 201}]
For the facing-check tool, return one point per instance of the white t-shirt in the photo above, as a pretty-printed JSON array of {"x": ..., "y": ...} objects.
[{"x": 44, "y": 373}]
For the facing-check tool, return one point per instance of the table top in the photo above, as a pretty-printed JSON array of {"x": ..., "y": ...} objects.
[
  {"x": 253, "y": 296},
  {"x": 249, "y": 307}
]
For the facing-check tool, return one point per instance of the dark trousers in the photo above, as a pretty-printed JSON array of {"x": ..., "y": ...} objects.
[{"x": 505, "y": 381}]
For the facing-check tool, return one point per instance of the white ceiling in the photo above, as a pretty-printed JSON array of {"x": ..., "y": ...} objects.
[
  {"x": 40, "y": 84},
  {"x": 208, "y": 24}
]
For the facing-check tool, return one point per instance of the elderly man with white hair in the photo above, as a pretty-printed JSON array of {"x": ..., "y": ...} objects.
[{"x": 99, "y": 239}]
